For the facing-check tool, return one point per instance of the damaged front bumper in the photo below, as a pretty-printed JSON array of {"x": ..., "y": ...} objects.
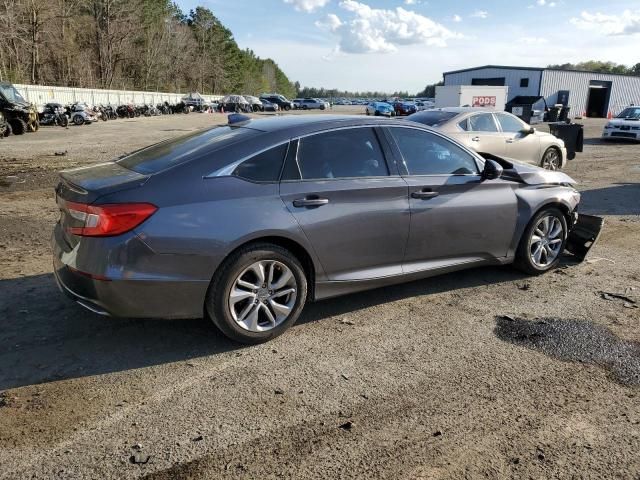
[{"x": 584, "y": 235}]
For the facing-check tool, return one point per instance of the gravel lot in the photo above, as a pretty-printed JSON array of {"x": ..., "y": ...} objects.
[{"x": 420, "y": 381}]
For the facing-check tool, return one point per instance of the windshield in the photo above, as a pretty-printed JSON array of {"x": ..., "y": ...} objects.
[
  {"x": 631, "y": 112},
  {"x": 11, "y": 94},
  {"x": 433, "y": 118},
  {"x": 174, "y": 152}
]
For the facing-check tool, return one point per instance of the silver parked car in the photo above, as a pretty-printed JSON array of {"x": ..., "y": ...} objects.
[
  {"x": 249, "y": 221},
  {"x": 313, "y": 104},
  {"x": 497, "y": 133}
]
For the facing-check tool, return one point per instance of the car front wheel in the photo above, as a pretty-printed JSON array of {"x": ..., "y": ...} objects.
[
  {"x": 257, "y": 293},
  {"x": 542, "y": 242},
  {"x": 551, "y": 160}
]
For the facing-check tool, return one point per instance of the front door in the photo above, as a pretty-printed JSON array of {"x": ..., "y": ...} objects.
[
  {"x": 519, "y": 145},
  {"x": 481, "y": 133},
  {"x": 456, "y": 217},
  {"x": 354, "y": 212}
]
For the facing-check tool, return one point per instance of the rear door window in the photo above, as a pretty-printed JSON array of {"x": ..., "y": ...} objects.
[
  {"x": 349, "y": 153},
  {"x": 482, "y": 122}
]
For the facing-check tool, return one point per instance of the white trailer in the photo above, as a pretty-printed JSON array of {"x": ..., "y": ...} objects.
[{"x": 494, "y": 98}]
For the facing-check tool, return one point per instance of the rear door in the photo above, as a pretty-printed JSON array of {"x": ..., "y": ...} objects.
[
  {"x": 481, "y": 133},
  {"x": 519, "y": 146},
  {"x": 352, "y": 207},
  {"x": 456, "y": 217}
]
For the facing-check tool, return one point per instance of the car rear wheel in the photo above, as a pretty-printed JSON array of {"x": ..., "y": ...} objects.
[
  {"x": 78, "y": 120},
  {"x": 257, "y": 293},
  {"x": 551, "y": 159},
  {"x": 542, "y": 242}
]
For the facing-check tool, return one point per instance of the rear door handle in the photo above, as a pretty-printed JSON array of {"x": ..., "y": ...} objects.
[
  {"x": 424, "y": 194},
  {"x": 310, "y": 202},
  {"x": 475, "y": 139},
  {"x": 510, "y": 140}
]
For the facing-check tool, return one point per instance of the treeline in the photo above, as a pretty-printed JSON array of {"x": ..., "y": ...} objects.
[
  {"x": 600, "y": 67},
  {"x": 128, "y": 44},
  {"x": 304, "y": 92}
]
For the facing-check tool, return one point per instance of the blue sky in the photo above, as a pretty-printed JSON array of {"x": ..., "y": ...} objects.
[{"x": 405, "y": 44}]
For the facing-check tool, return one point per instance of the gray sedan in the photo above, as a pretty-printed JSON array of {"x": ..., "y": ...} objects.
[{"x": 247, "y": 222}]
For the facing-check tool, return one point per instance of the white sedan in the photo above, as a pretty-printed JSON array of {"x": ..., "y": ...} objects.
[
  {"x": 626, "y": 126},
  {"x": 498, "y": 133}
]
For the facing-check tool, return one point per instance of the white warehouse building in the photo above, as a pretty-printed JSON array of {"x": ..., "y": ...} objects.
[{"x": 587, "y": 93}]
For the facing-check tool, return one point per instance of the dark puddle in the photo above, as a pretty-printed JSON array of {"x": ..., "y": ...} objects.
[{"x": 575, "y": 341}]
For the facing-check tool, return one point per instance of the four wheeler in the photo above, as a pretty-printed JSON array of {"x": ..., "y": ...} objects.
[{"x": 21, "y": 116}]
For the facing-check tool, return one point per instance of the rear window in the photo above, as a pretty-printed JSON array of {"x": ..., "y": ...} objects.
[
  {"x": 168, "y": 154},
  {"x": 433, "y": 118}
]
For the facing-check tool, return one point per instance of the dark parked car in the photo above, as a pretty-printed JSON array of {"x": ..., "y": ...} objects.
[
  {"x": 280, "y": 100},
  {"x": 404, "y": 108},
  {"x": 249, "y": 221}
]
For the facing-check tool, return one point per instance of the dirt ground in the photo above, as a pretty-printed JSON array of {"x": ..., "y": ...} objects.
[{"x": 425, "y": 380}]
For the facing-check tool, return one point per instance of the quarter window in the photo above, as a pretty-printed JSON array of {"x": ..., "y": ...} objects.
[
  {"x": 509, "y": 123},
  {"x": 349, "y": 153},
  {"x": 264, "y": 167},
  {"x": 524, "y": 82},
  {"x": 482, "y": 122},
  {"x": 427, "y": 154}
]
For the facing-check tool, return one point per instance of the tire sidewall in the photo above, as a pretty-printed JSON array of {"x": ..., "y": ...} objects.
[
  {"x": 217, "y": 302},
  {"x": 523, "y": 257}
]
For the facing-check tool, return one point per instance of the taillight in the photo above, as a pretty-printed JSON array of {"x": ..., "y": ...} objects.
[{"x": 107, "y": 220}]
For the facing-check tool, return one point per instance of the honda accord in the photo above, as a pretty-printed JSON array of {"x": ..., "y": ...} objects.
[{"x": 245, "y": 223}]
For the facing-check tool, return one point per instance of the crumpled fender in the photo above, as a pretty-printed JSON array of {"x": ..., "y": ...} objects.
[{"x": 529, "y": 174}]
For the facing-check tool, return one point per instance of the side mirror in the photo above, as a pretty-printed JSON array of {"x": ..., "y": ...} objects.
[
  {"x": 528, "y": 131},
  {"x": 492, "y": 170}
]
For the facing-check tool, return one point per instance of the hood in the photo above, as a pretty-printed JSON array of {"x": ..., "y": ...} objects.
[
  {"x": 624, "y": 121},
  {"x": 530, "y": 174}
]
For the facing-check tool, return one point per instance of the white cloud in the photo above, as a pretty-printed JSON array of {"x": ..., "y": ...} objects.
[
  {"x": 411, "y": 2},
  {"x": 533, "y": 40},
  {"x": 627, "y": 23},
  {"x": 307, "y": 5},
  {"x": 373, "y": 30},
  {"x": 543, "y": 3},
  {"x": 457, "y": 18},
  {"x": 480, "y": 14}
]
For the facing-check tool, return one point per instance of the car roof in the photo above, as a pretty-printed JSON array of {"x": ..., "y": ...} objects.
[
  {"x": 317, "y": 122},
  {"x": 464, "y": 110}
]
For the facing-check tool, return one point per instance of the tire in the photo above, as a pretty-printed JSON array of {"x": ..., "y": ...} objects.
[
  {"x": 8, "y": 130},
  {"x": 287, "y": 108},
  {"x": 78, "y": 120},
  {"x": 64, "y": 121},
  {"x": 376, "y": 113},
  {"x": 18, "y": 126},
  {"x": 237, "y": 268},
  {"x": 525, "y": 255},
  {"x": 551, "y": 159}
]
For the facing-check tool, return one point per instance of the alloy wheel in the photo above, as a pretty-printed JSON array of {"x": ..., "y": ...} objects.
[
  {"x": 263, "y": 296},
  {"x": 551, "y": 160},
  {"x": 546, "y": 241}
]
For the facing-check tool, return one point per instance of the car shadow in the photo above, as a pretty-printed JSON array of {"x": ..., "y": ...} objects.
[
  {"x": 47, "y": 337},
  {"x": 618, "y": 199}
]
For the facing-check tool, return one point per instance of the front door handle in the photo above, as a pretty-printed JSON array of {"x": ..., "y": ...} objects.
[
  {"x": 310, "y": 202},
  {"x": 424, "y": 194},
  {"x": 475, "y": 139},
  {"x": 510, "y": 140}
]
